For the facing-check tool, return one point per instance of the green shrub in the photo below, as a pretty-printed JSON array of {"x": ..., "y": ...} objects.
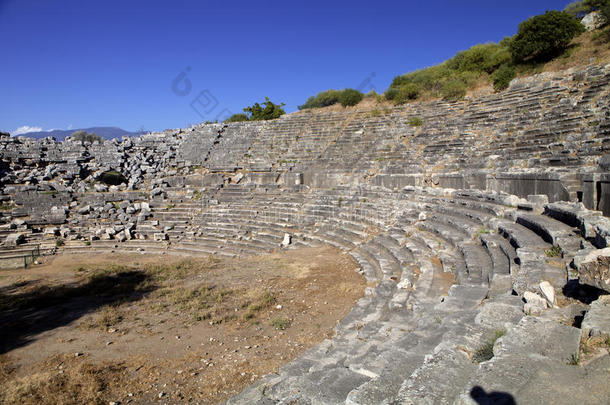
[
  {"x": 605, "y": 11},
  {"x": 112, "y": 178},
  {"x": 454, "y": 90},
  {"x": 350, "y": 97},
  {"x": 280, "y": 323},
  {"x": 555, "y": 251},
  {"x": 544, "y": 36},
  {"x": 486, "y": 351},
  {"x": 415, "y": 122},
  {"x": 322, "y": 99},
  {"x": 237, "y": 118},
  {"x": 503, "y": 76},
  {"x": 409, "y": 91},
  {"x": 347, "y": 97},
  {"x": 480, "y": 58}
]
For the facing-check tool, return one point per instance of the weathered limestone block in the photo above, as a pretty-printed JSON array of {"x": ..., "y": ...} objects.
[
  {"x": 14, "y": 239},
  {"x": 159, "y": 237},
  {"x": 534, "y": 304},
  {"x": 597, "y": 319},
  {"x": 594, "y": 268},
  {"x": 593, "y": 21}
]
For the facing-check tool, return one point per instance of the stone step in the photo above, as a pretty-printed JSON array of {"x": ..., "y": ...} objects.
[{"x": 552, "y": 231}]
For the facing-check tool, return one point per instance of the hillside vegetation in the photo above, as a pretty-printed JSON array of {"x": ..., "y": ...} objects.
[{"x": 555, "y": 38}]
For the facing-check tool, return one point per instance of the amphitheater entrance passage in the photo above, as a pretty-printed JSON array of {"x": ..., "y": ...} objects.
[{"x": 113, "y": 178}]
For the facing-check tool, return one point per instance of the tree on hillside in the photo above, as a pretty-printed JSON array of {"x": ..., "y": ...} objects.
[
  {"x": 579, "y": 8},
  {"x": 544, "y": 36},
  {"x": 267, "y": 111},
  {"x": 350, "y": 97},
  {"x": 84, "y": 136}
]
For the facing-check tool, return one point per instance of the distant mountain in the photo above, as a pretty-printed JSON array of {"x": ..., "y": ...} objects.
[{"x": 104, "y": 132}]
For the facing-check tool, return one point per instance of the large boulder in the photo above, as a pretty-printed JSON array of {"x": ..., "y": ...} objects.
[{"x": 593, "y": 21}]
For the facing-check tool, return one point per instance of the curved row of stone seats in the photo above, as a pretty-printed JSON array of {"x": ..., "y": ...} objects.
[
  {"x": 428, "y": 357},
  {"x": 378, "y": 351},
  {"x": 411, "y": 327}
]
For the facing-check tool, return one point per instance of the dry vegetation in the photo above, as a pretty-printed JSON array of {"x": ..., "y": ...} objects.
[{"x": 91, "y": 330}]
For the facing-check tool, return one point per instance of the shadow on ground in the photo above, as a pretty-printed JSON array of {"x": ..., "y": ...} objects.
[
  {"x": 28, "y": 309},
  {"x": 481, "y": 397}
]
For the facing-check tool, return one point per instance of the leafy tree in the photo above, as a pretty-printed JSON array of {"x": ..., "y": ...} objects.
[
  {"x": 84, "y": 136},
  {"x": 267, "y": 111},
  {"x": 544, "y": 36},
  {"x": 350, "y": 97},
  {"x": 579, "y": 9}
]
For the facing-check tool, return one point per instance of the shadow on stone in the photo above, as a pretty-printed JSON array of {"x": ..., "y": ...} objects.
[
  {"x": 582, "y": 292},
  {"x": 27, "y": 309},
  {"x": 481, "y": 397}
]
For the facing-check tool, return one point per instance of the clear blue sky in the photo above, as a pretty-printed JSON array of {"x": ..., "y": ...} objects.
[{"x": 81, "y": 63}]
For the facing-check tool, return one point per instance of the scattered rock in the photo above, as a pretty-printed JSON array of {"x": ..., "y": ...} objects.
[
  {"x": 534, "y": 304},
  {"x": 548, "y": 292}
]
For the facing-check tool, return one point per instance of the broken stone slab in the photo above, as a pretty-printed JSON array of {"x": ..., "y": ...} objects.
[
  {"x": 100, "y": 188},
  {"x": 51, "y": 232},
  {"x": 548, "y": 292},
  {"x": 84, "y": 210},
  {"x": 594, "y": 268},
  {"x": 14, "y": 239},
  {"x": 123, "y": 236},
  {"x": 534, "y": 304},
  {"x": 539, "y": 336},
  {"x": 237, "y": 178},
  {"x": 159, "y": 237},
  {"x": 597, "y": 318},
  {"x": 287, "y": 240}
]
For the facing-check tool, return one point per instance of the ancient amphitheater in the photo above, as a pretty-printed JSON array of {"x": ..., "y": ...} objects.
[{"x": 507, "y": 193}]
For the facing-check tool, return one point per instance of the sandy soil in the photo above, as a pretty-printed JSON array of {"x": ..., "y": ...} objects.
[{"x": 140, "y": 329}]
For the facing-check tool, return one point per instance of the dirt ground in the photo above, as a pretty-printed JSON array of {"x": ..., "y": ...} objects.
[{"x": 141, "y": 329}]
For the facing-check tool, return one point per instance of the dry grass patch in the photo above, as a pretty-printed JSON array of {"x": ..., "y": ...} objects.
[
  {"x": 62, "y": 380},
  {"x": 194, "y": 330}
]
